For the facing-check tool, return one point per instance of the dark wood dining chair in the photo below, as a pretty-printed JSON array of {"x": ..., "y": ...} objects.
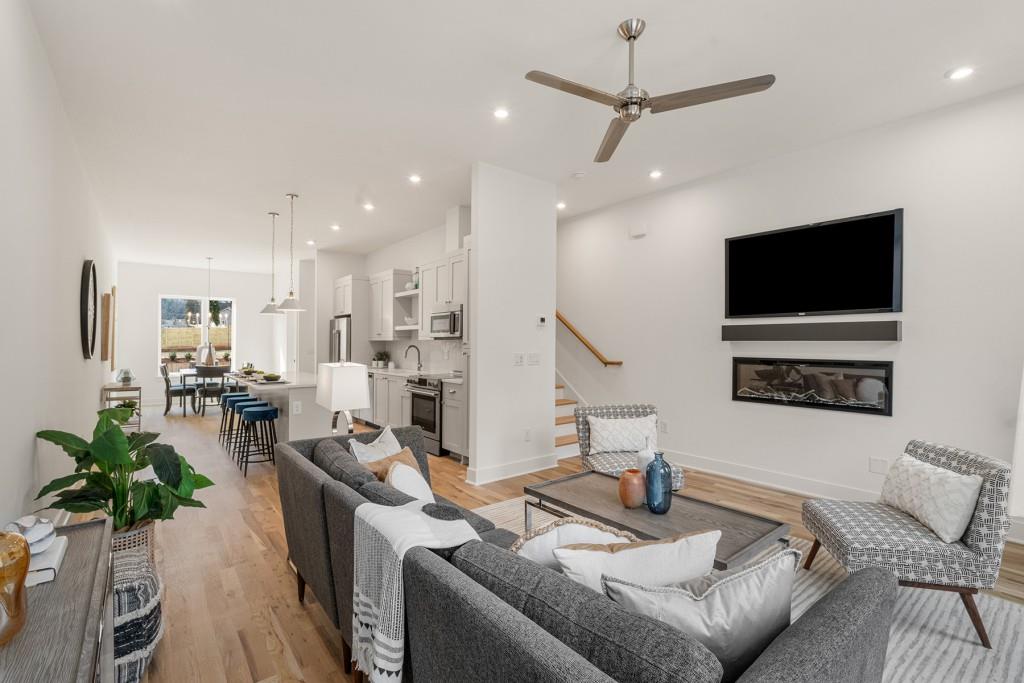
[
  {"x": 179, "y": 391},
  {"x": 210, "y": 385}
]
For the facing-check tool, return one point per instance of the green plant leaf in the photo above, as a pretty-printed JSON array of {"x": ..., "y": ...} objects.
[
  {"x": 168, "y": 502},
  {"x": 187, "y": 485},
  {"x": 139, "y": 440},
  {"x": 186, "y": 501},
  {"x": 111, "y": 447},
  {"x": 142, "y": 500},
  {"x": 61, "y": 483},
  {"x": 201, "y": 481},
  {"x": 85, "y": 499},
  {"x": 118, "y": 415},
  {"x": 100, "y": 481},
  {"x": 166, "y": 464},
  {"x": 73, "y": 445}
]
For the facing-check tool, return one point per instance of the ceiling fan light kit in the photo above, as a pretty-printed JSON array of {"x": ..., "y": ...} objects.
[{"x": 630, "y": 102}]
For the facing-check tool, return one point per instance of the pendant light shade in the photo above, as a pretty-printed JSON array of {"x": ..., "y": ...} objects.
[
  {"x": 271, "y": 307},
  {"x": 206, "y": 354},
  {"x": 291, "y": 304}
]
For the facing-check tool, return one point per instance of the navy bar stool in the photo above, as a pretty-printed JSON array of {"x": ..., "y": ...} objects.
[
  {"x": 258, "y": 436},
  {"x": 235, "y": 406},
  {"x": 224, "y": 410}
]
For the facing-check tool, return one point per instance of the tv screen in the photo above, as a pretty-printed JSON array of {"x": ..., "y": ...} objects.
[{"x": 853, "y": 265}]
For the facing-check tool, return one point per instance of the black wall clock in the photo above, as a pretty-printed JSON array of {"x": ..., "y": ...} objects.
[{"x": 87, "y": 308}]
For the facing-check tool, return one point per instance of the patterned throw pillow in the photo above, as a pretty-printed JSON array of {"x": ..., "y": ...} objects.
[
  {"x": 941, "y": 499},
  {"x": 652, "y": 563},
  {"x": 138, "y": 621},
  {"x": 622, "y": 434},
  {"x": 384, "y": 445},
  {"x": 736, "y": 614},
  {"x": 539, "y": 544}
]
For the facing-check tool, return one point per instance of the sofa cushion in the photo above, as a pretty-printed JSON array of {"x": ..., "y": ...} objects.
[
  {"x": 478, "y": 523},
  {"x": 336, "y": 461},
  {"x": 380, "y": 493},
  {"x": 503, "y": 538},
  {"x": 628, "y": 647}
]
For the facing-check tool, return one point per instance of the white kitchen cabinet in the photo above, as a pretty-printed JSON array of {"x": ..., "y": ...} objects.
[
  {"x": 458, "y": 278},
  {"x": 366, "y": 414},
  {"x": 454, "y": 418},
  {"x": 380, "y": 400},
  {"x": 396, "y": 389},
  {"x": 384, "y": 310},
  {"x": 343, "y": 296},
  {"x": 406, "y": 407},
  {"x": 443, "y": 282}
]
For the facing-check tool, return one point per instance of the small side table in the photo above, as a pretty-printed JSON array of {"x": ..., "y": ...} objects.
[{"x": 116, "y": 392}]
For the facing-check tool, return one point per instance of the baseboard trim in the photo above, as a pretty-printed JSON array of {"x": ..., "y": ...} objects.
[
  {"x": 487, "y": 475},
  {"x": 781, "y": 481}
]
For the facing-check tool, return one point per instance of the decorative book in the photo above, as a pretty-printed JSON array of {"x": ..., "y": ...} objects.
[{"x": 44, "y": 566}]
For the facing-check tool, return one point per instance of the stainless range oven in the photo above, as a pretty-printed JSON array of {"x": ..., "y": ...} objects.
[{"x": 425, "y": 392}]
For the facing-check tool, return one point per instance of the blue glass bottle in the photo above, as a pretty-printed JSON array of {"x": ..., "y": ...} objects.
[{"x": 659, "y": 485}]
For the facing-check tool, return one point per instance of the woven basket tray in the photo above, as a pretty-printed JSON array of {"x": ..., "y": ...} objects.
[{"x": 142, "y": 537}]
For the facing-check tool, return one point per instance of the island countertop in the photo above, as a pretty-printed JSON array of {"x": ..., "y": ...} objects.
[{"x": 291, "y": 380}]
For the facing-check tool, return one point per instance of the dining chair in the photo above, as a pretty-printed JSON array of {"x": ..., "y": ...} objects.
[
  {"x": 179, "y": 391},
  {"x": 210, "y": 385}
]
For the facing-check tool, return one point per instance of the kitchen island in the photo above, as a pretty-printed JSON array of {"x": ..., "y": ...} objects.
[{"x": 299, "y": 415}]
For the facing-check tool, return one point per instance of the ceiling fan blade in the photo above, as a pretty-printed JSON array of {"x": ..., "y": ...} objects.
[
  {"x": 574, "y": 88},
  {"x": 616, "y": 129},
  {"x": 710, "y": 93}
]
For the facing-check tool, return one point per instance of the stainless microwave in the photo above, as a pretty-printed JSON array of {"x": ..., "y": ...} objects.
[{"x": 446, "y": 322}]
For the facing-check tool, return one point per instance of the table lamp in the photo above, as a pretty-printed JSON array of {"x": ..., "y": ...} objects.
[{"x": 342, "y": 387}]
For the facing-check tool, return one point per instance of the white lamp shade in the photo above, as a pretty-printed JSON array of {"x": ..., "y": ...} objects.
[
  {"x": 271, "y": 309},
  {"x": 291, "y": 305},
  {"x": 342, "y": 386}
]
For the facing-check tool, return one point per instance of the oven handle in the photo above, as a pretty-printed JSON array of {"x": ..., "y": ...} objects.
[{"x": 421, "y": 392}]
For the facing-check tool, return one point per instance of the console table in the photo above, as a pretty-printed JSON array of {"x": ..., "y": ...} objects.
[
  {"x": 69, "y": 634},
  {"x": 116, "y": 392}
]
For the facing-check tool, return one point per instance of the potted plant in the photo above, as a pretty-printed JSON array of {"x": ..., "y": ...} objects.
[
  {"x": 133, "y": 406},
  {"x": 226, "y": 357},
  {"x": 173, "y": 356},
  {"x": 105, "y": 478},
  {"x": 188, "y": 357}
]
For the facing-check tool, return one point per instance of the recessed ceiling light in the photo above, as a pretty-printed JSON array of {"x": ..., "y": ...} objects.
[
  {"x": 368, "y": 206},
  {"x": 578, "y": 175},
  {"x": 655, "y": 174},
  {"x": 501, "y": 113},
  {"x": 959, "y": 73},
  {"x": 560, "y": 205},
  {"x": 311, "y": 243},
  {"x": 335, "y": 227},
  {"x": 415, "y": 179}
]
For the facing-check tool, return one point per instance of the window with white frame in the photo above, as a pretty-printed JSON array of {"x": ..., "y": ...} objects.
[{"x": 186, "y": 322}]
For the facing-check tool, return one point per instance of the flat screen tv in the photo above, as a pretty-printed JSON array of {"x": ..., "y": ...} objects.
[{"x": 852, "y": 265}]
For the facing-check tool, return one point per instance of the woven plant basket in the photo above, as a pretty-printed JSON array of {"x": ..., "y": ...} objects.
[{"x": 142, "y": 536}]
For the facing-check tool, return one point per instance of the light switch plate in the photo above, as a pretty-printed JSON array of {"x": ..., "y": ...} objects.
[
  {"x": 517, "y": 359},
  {"x": 533, "y": 359},
  {"x": 296, "y": 407}
]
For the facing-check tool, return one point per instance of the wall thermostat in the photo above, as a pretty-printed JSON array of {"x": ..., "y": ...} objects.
[{"x": 542, "y": 320}]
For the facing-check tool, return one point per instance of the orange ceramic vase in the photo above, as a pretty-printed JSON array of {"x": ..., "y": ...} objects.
[
  {"x": 632, "y": 488},
  {"x": 14, "y": 557}
]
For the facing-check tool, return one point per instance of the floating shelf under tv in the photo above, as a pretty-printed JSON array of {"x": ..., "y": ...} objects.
[{"x": 860, "y": 330}]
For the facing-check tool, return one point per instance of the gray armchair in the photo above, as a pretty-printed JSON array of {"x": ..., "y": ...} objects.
[
  {"x": 615, "y": 462},
  {"x": 862, "y": 534}
]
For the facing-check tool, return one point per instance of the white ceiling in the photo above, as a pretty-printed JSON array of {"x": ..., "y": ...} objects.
[{"x": 195, "y": 117}]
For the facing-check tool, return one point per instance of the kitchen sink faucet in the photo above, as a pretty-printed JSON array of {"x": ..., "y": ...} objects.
[{"x": 419, "y": 365}]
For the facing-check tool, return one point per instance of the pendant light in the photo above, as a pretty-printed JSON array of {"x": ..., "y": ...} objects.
[
  {"x": 291, "y": 304},
  {"x": 271, "y": 308},
  {"x": 206, "y": 354}
]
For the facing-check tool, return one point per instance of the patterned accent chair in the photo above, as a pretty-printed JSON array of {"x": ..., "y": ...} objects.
[
  {"x": 614, "y": 463},
  {"x": 862, "y": 535}
]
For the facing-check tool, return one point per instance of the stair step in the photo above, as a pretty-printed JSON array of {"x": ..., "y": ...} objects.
[
  {"x": 564, "y": 419},
  {"x": 564, "y": 402},
  {"x": 559, "y": 386},
  {"x": 565, "y": 440}
]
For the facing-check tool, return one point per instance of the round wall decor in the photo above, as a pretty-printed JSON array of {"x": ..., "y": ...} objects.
[{"x": 87, "y": 308}]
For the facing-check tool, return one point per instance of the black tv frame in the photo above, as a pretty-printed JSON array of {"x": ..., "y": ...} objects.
[{"x": 897, "y": 271}]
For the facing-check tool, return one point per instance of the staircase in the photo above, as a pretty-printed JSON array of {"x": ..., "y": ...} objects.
[{"x": 566, "y": 443}]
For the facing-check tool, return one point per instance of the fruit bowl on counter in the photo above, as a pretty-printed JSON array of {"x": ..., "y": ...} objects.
[{"x": 271, "y": 377}]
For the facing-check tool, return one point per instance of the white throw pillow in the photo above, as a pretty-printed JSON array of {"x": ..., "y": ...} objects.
[
  {"x": 384, "y": 445},
  {"x": 409, "y": 481},
  {"x": 735, "y": 614},
  {"x": 538, "y": 545},
  {"x": 941, "y": 499},
  {"x": 622, "y": 434},
  {"x": 651, "y": 563}
]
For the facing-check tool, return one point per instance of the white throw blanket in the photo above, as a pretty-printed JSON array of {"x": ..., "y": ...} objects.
[{"x": 383, "y": 534}]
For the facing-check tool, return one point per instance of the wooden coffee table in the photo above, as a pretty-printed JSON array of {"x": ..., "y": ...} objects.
[{"x": 595, "y": 495}]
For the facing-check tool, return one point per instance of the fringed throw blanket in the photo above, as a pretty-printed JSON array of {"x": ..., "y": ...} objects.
[{"x": 383, "y": 534}]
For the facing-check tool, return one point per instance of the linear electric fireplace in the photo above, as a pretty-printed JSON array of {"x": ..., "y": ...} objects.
[{"x": 852, "y": 385}]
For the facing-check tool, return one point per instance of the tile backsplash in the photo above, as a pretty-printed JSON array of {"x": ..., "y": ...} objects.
[{"x": 436, "y": 356}]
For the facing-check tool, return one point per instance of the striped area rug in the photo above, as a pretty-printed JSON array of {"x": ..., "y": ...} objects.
[{"x": 931, "y": 640}]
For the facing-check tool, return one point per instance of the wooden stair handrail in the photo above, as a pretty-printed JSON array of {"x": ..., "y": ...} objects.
[{"x": 586, "y": 342}]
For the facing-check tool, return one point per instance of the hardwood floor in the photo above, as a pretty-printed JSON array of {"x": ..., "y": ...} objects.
[{"x": 230, "y": 612}]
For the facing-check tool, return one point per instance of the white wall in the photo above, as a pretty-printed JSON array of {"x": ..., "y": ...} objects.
[
  {"x": 330, "y": 265},
  {"x": 140, "y": 286},
  {"x": 51, "y": 225},
  {"x": 657, "y": 303},
  {"x": 406, "y": 255},
  {"x": 513, "y": 282}
]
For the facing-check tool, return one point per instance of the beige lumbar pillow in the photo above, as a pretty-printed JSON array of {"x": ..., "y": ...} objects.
[
  {"x": 736, "y": 614},
  {"x": 651, "y": 563},
  {"x": 381, "y": 466},
  {"x": 538, "y": 545},
  {"x": 941, "y": 499}
]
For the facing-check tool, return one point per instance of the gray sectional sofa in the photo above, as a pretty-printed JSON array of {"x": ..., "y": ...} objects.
[{"x": 481, "y": 613}]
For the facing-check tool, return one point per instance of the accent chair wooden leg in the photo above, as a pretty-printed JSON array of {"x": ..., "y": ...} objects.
[
  {"x": 812, "y": 554},
  {"x": 346, "y": 656},
  {"x": 972, "y": 610},
  {"x": 358, "y": 676},
  {"x": 302, "y": 586}
]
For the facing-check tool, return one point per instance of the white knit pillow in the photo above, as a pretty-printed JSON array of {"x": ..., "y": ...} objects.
[
  {"x": 622, "y": 434},
  {"x": 941, "y": 499},
  {"x": 539, "y": 545}
]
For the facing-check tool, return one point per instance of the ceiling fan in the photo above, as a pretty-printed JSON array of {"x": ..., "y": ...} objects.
[{"x": 632, "y": 100}]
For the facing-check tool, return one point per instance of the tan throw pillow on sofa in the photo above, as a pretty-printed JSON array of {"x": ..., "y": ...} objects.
[
  {"x": 381, "y": 466},
  {"x": 539, "y": 544},
  {"x": 651, "y": 563}
]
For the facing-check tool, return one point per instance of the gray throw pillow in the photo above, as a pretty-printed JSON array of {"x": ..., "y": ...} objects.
[
  {"x": 340, "y": 465},
  {"x": 631, "y": 648},
  {"x": 736, "y": 614}
]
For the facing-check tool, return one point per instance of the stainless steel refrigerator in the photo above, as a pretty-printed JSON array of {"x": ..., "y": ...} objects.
[{"x": 341, "y": 339}]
